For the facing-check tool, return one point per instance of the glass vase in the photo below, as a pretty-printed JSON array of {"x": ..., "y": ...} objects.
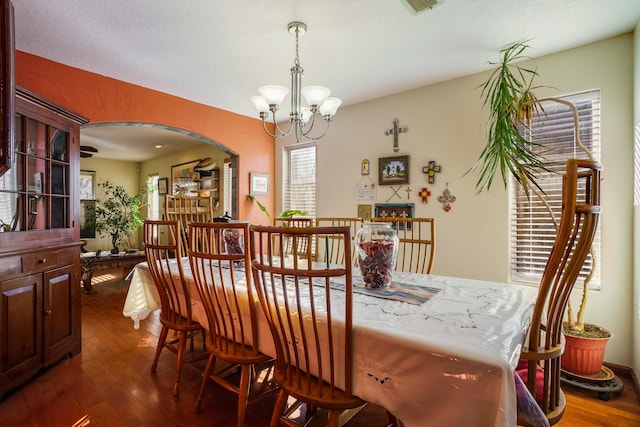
[
  {"x": 233, "y": 241},
  {"x": 376, "y": 247}
]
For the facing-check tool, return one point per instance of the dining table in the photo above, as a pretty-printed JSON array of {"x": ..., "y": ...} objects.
[{"x": 432, "y": 350}]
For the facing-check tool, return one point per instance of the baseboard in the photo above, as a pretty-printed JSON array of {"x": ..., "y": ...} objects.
[{"x": 624, "y": 371}]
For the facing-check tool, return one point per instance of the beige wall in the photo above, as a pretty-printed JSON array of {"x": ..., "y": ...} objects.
[
  {"x": 162, "y": 166},
  {"x": 445, "y": 123},
  {"x": 132, "y": 176},
  {"x": 119, "y": 173}
]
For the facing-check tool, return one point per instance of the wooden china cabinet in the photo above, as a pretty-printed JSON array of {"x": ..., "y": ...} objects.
[{"x": 39, "y": 240}]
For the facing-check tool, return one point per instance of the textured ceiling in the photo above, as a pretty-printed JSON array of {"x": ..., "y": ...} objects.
[{"x": 218, "y": 52}]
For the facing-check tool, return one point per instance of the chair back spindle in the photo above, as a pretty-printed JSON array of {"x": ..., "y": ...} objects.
[
  {"x": 332, "y": 248},
  {"x": 164, "y": 252},
  {"x": 543, "y": 348},
  {"x": 220, "y": 263},
  {"x": 188, "y": 209},
  {"x": 416, "y": 251},
  {"x": 312, "y": 333}
]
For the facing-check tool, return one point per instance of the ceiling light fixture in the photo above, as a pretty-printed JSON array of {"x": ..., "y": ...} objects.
[{"x": 301, "y": 119}]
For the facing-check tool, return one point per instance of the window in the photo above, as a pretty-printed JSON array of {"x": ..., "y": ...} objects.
[
  {"x": 300, "y": 178},
  {"x": 532, "y": 228},
  {"x": 227, "y": 188},
  {"x": 153, "y": 197},
  {"x": 87, "y": 205}
]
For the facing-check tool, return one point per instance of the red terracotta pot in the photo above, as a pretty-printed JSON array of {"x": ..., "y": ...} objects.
[{"x": 584, "y": 356}]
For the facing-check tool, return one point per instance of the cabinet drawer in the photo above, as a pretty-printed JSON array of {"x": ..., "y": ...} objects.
[
  {"x": 39, "y": 261},
  {"x": 11, "y": 265}
]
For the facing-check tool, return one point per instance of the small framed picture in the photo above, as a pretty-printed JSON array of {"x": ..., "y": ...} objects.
[
  {"x": 259, "y": 183},
  {"x": 163, "y": 184},
  {"x": 393, "y": 170},
  {"x": 364, "y": 211},
  {"x": 364, "y": 169}
]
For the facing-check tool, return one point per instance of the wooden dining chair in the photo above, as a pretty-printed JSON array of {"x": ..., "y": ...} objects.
[
  {"x": 296, "y": 221},
  {"x": 540, "y": 366},
  {"x": 226, "y": 293},
  {"x": 312, "y": 334},
  {"x": 188, "y": 209},
  {"x": 332, "y": 248},
  {"x": 416, "y": 251},
  {"x": 164, "y": 260}
]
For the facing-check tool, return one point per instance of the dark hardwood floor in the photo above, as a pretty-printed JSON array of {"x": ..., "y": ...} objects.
[{"x": 109, "y": 383}]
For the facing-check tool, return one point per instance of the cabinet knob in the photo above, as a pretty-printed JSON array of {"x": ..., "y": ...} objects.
[
  {"x": 47, "y": 312},
  {"x": 42, "y": 260}
]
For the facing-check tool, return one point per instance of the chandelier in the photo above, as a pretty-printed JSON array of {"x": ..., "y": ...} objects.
[{"x": 301, "y": 119}]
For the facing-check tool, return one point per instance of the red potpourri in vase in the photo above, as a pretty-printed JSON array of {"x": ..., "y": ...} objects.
[
  {"x": 232, "y": 240},
  {"x": 376, "y": 248}
]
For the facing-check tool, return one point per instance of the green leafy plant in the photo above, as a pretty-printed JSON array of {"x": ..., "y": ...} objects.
[
  {"x": 284, "y": 214},
  {"x": 260, "y": 205},
  {"x": 509, "y": 95},
  {"x": 117, "y": 214}
]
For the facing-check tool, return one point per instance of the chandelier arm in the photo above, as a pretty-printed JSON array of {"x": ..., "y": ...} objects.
[
  {"x": 306, "y": 134},
  {"x": 308, "y": 126},
  {"x": 264, "y": 126},
  {"x": 279, "y": 131}
]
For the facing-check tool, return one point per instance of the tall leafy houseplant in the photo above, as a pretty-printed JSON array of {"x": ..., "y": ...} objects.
[
  {"x": 509, "y": 95},
  {"x": 117, "y": 214}
]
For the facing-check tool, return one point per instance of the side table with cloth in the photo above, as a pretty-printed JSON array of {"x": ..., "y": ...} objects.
[{"x": 448, "y": 361}]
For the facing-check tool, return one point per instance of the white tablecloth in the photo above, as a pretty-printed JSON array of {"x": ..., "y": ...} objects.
[{"x": 447, "y": 362}]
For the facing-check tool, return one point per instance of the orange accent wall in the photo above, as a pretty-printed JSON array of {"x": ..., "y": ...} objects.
[{"x": 103, "y": 99}]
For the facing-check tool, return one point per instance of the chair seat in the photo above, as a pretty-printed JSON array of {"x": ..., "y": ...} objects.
[
  {"x": 231, "y": 351},
  {"x": 529, "y": 412},
  {"x": 522, "y": 372},
  {"x": 177, "y": 321},
  {"x": 321, "y": 396}
]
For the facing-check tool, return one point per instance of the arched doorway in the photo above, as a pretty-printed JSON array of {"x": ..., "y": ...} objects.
[{"x": 130, "y": 153}]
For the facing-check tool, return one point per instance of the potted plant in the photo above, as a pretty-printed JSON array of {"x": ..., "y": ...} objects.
[
  {"x": 117, "y": 214},
  {"x": 509, "y": 94}
]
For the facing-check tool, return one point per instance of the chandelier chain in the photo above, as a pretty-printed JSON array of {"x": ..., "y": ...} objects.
[{"x": 296, "y": 61}]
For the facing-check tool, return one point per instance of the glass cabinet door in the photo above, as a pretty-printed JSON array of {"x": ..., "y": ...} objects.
[{"x": 34, "y": 192}]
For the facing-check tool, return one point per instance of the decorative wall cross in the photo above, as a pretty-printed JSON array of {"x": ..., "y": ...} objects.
[
  {"x": 408, "y": 190},
  {"x": 396, "y": 130},
  {"x": 424, "y": 193},
  {"x": 431, "y": 169},
  {"x": 446, "y": 199}
]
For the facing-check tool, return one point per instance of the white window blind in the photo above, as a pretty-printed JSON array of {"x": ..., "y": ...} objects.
[
  {"x": 300, "y": 178},
  {"x": 532, "y": 228},
  {"x": 153, "y": 197},
  {"x": 227, "y": 188}
]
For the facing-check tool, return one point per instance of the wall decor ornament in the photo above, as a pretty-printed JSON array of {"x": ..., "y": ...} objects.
[
  {"x": 393, "y": 170},
  {"x": 425, "y": 193},
  {"x": 446, "y": 199},
  {"x": 395, "y": 192},
  {"x": 394, "y": 210},
  {"x": 364, "y": 168},
  {"x": 408, "y": 190},
  {"x": 396, "y": 130},
  {"x": 431, "y": 169}
]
